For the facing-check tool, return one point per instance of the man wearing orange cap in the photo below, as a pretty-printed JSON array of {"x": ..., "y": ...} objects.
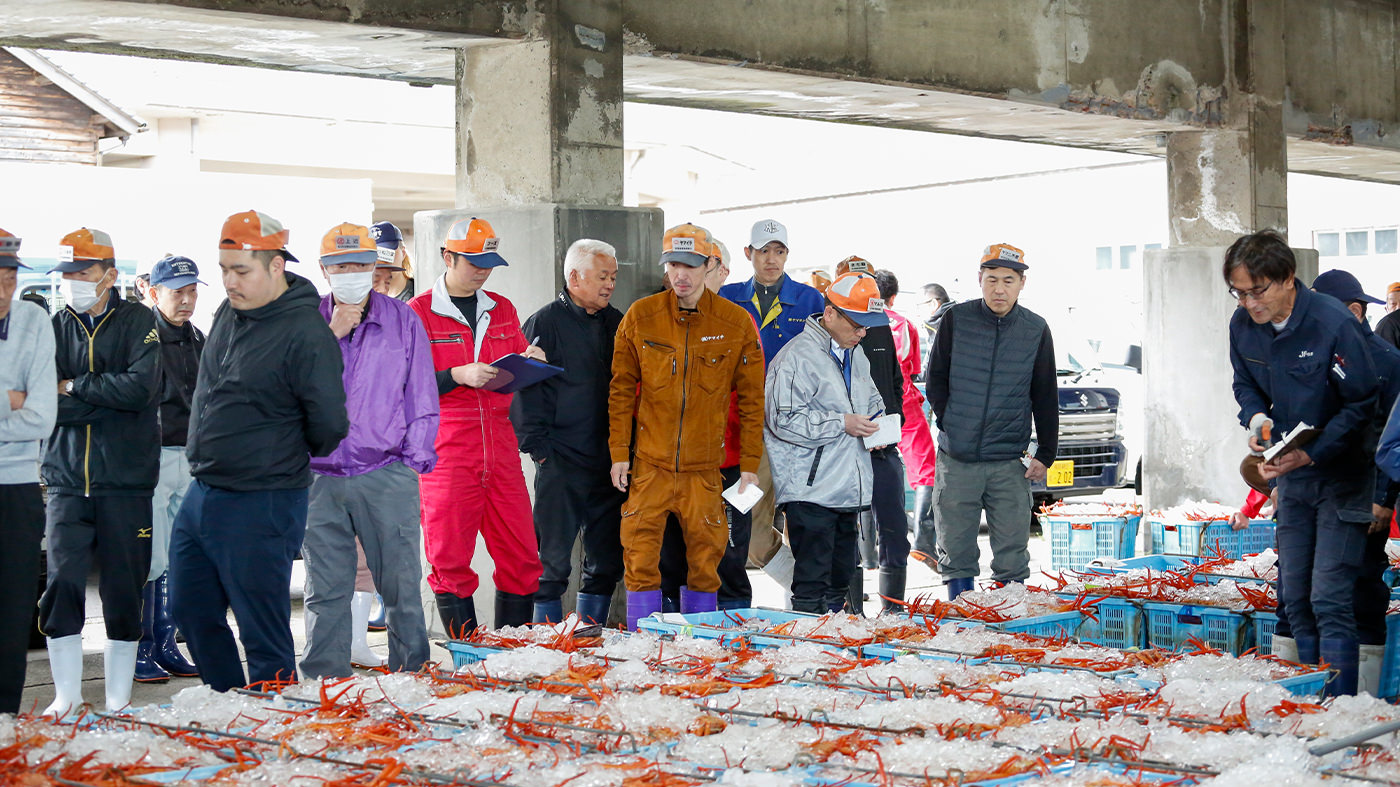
[
  {"x": 478, "y": 485},
  {"x": 991, "y": 372},
  {"x": 367, "y": 489},
  {"x": 677, "y": 356},
  {"x": 268, "y": 398},
  {"x": 1388, "y": 327},
  {"x": 28, "y": 404},
  {"x": 101, "y": 468},
  {"x": 821, "y": 402}
]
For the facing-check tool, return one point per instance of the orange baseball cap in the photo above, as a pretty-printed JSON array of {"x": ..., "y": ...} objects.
[
  {"x": 1394, "y": 287},
  {"x": 82, "y": 248},
  {"x": 821, "y": 280},
  {"x": 254, "y": 231},
  {"x": 9, "y": 251},
  {"x": 1004, "y": 255},
  {"x": 348, "y": 243},
  {"x": 475, "y": 239},
  {"x": 854, "y": 264},
  {"x": 688, "y": 245},
  {"x": 858, "y": 296}
]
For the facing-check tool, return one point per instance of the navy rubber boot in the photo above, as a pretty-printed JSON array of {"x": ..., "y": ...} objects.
[
  {"x": 959, "y": 586},
  {"x": 734, "y": 603},
  {"x": 377, "y": 621},
  {"x": 164, "y": 651},
  {"x": 593, "y": 608},
  {"x": 147, "y": 670},
  {"x": 1307, "y": 649},
  {"x": 549, "y": 611},
  {"x": 1344, "y": 656}
]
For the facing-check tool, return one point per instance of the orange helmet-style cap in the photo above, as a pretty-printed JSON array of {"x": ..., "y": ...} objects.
[
  {"x": 1004, "y": 255},
  {"x": 81, "y": 248},
  {"x": 348, "y": 243},
  {"x": 858, "y": 296},
  {"x": 476, "y": 240},
  {"x": 854, "y": 264},
  {"x": 688, "y": 245},
  {"x": 9, "y": 251},
  {"x": 820, "y": 280},
  {"x": 254, "y": 231}
]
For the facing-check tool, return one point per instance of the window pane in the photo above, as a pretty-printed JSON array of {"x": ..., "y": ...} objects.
[
  {"x": 1327, "y": 244},
  {"x": 1358, "y": 244},
  {"x": 1151, "y": 246},
  {"x": 1386, "y": 242},
  {"x": 1126, "y": 255},
  {"x": 1103, "y": 258}
]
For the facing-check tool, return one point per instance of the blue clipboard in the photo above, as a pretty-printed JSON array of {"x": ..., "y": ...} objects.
[{"x": 516, "y": 372}]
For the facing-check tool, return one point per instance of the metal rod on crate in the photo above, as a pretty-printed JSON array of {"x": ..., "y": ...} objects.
[
  {"x": 1361, "y": 736},
  {"x": 789, "y": 718},
  {"x": 619, "y": 734}
]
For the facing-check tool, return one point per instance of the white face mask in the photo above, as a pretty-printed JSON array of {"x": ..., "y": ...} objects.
[
  {"x": 80, "y": 295},
  {"x": 351, "y": 287}
]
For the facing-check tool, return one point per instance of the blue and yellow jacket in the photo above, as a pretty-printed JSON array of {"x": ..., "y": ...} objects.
[{"x": 796, "y": 302}]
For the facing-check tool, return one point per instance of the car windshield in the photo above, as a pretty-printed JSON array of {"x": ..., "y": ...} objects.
[{"x": 1074, "y": 355}]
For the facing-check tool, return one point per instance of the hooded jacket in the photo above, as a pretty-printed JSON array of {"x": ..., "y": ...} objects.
[
  {"x": 180, "y": 348},
  {"x": 269, "y": 394},
  {"x": 390, "y": 392},
  {"x": 107, "y": 437},
  {"x": 812, "y": 458},
  {"x": 567, "y": 414},
  {"x": 673, "y": 370}
]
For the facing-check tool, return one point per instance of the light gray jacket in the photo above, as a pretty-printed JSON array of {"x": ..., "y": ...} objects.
[
  {"x": 26, "y": 365},
  {"x": 812, "y": 457}
]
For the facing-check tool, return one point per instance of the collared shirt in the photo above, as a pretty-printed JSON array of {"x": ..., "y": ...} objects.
[{"x": 843, "y": 358}]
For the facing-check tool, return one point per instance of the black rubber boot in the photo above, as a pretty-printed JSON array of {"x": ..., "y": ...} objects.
[
  {"x": 458, "y": 615},
  {"x": 892, "y": 589},
  {"x": 855, "y": 594},
  {"x": 513, "y": 610},
  {"x": 869, "y": 545}
]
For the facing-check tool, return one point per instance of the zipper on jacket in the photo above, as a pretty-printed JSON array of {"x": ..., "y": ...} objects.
[
  {"x": 87, "y": 447},
  {"x": 685, "y": 383},
  {"x": 816, "y": 460},
  {"x": 987, "y": 397}
]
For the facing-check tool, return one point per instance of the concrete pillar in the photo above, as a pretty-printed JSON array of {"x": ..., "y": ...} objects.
[
  {"x": 539, "y": 155},
  {"x": 1222, "y": 183}
]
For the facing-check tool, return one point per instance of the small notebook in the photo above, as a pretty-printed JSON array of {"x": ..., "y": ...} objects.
[
  {"x": 888, "y": 434},
  {"x": 1300, "y": 436},
  {"x": 743, "y": 501}
]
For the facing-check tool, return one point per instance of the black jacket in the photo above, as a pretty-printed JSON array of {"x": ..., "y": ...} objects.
[
  {"x": 180, "y": 347},
  {"x": 106, "y": 440},
  {"x": 878, "y": 345},
  {"x": 987, "y": 377},
  {"x": 269, "y": 394},
  {"x": 567, "y": 415},
  {"x": 1388, "y": 328}
]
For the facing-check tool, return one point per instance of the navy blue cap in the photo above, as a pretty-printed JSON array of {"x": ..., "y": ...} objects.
[
  {"x": 175, "y": 272},
  {"x": 388, "y": 238},
  {"x": 1343, "y": 286}
]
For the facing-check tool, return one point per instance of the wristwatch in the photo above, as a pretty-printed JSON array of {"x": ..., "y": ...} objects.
[{"x": 68, "y": 387}]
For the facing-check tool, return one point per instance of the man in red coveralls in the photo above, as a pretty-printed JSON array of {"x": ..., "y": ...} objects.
[
  {"x": 478, "y": 485},
  {"x": 915, "y": 438}
]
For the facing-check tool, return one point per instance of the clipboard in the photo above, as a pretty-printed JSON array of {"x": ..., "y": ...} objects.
[{"x": 516, "y": 372}]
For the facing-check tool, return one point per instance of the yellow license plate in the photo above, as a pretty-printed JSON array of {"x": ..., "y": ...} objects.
[{"x": 1061, "y": 473}]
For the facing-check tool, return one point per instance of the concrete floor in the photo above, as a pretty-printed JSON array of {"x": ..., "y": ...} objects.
[{"x": 39, "y": 692}]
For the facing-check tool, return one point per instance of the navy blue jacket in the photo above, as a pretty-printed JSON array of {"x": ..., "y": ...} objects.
[
  {"x": 1387, "y": 361},
  {"x": 796, "y": 302},
  {"x": 1317, "y": 370}
]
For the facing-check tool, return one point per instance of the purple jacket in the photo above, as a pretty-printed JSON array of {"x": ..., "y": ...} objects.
[{"x": 391, "y": 392}]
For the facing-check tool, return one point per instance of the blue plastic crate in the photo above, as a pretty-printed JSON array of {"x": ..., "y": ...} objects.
[
  {"x": 1171, "y": 626},
  {"x": 1205, "y": 538},
  {"x": 723, "y": 625},
  {"x": 464, "y": 653},
  {"x": 1074, "y": 541},
  {"x": 1058, "y": 624},
  {"x": 1306, "y": 684},
  {"x": 1117, "y": 623},
  {"x": 1264, "y": 625},
  {"x": 1390, "y": 665}
]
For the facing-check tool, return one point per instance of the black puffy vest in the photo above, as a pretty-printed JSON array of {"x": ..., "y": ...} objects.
[{"x": 988, "y": 416}]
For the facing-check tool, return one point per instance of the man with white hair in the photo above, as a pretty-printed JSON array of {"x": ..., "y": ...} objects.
[{"x": 562, "y": 423}]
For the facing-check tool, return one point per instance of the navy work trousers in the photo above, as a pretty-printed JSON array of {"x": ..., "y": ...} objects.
[
  {"x": 1322, "y": 526},
  {"x": 571, "y": 499},
  {"x": 887, "y": 502},
  {"x": 22, "y": 511},
  {"x": 823, "y": 545},
  {"x": 235, "y": 550}
]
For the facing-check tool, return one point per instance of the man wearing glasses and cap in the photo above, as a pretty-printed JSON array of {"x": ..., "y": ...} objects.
[
  {"x": 268, "y": 398},
  {"x": 820, "y": 404},
  {"x": 991, "y": 371},
  {"x": 27, "y": 412},
  {"x": 174, "y": 287},
  {"x": 393, "y": 273},
  {"x": 101, "y": 468},
  {"x": 478, "y": 485}
]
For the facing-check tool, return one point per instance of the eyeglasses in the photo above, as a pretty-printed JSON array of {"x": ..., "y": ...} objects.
[{"x": 1256, "y": 293}]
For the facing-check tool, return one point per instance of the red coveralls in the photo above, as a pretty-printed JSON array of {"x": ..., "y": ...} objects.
[
  {"x": 477, "y": 485},
  {"x": 915, "y": 438}
]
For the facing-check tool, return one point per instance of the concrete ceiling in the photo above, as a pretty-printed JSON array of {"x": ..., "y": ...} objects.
[{"x": 168, "y": 31}]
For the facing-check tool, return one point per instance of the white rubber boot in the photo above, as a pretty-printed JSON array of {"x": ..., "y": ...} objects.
[
  {"x": 1285, "y": 648},
  {"x": 66, "y": 665},
  {"x": 1368, "y": 673},
  {"x": 118, "y": 669},
  {"x": 360, "y": 653}
]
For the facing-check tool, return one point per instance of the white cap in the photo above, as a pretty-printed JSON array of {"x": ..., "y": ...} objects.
[{"x": 766, "y": 231}]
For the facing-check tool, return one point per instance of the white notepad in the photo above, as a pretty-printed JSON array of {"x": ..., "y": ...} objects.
[
  {"x": 888, "y": 434},
  {"x": 745, "y": 500}
]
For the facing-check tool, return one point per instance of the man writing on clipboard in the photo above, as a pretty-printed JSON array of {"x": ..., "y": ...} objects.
[{"x": 478, "y": 484}]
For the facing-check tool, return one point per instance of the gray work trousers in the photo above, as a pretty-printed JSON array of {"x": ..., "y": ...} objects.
[
  {"x": 170, "y": 491},
  {"x": 381, "y": 509},
  {"x": 961, "y": 492}
]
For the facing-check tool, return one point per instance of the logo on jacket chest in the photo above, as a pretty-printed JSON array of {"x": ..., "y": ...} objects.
[{"x": 711, "y": 338}]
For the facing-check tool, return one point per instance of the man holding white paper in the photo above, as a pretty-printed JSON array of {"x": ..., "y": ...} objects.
[{"x": 820, "y": 404}]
